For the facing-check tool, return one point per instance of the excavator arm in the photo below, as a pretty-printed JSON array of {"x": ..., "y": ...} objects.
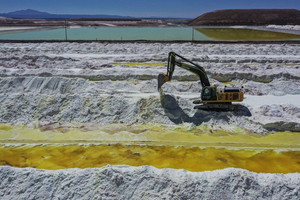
[{"x": 185, "y": 64}]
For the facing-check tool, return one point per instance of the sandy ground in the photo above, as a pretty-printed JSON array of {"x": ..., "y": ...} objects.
[
  {"x": 10, "y": 28},
  {"x": 20, "y": 29},
  {"x": 285, "y": 27},
  {"x": 106, "y": 83}
]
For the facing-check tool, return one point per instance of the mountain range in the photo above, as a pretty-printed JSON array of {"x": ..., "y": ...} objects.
[{"x": 34, "y": 14}]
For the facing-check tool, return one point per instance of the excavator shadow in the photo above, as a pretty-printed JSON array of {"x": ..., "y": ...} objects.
[{"x": 176, "y": 114}]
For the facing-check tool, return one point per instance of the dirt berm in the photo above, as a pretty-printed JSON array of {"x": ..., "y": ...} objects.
[{"x": 248, "y": 17}]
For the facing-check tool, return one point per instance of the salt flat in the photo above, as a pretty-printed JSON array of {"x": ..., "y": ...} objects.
[
  {"x": 51, "y": 85},
  {"x": 55, "y": 79},
  {"x": 146, "y": 182}
]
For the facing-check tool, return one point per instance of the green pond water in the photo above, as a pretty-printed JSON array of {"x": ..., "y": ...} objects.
[
  {"x": 149, "y": 33},
  {"x": 110, "y": 33},
  {"x": 245, "y": 34}
]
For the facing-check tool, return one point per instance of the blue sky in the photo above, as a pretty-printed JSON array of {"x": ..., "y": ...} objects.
[{"x": 142, "y": 8}]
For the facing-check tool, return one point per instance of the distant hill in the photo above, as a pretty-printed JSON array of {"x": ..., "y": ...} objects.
[
  {"x": 248, "y": 17},
  {"x": 34, "y": 14}
]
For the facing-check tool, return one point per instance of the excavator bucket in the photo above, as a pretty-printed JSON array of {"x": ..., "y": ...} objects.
[{"x": 161, "y": 79}]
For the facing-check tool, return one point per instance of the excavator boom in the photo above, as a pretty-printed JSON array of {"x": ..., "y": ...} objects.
[{"x": 185, "y": 64}]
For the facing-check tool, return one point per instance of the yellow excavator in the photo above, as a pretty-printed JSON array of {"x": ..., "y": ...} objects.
[{"x": 212, "y": 98}]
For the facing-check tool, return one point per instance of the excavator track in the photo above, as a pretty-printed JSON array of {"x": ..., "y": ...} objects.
[{"x": 217, "y": 107}]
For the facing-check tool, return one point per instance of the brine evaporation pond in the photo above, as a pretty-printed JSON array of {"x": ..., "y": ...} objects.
[
  {"x": 148, "y": 33},
  {"x": 109, "y": 33}
]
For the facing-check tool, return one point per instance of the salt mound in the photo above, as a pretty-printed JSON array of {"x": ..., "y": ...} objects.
[{"x": 146, "y": 182}]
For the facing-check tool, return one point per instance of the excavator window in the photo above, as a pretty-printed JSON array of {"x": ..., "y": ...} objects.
[
  {"x": 209, "y": 94},
  {"x": 206, "y": 94}
]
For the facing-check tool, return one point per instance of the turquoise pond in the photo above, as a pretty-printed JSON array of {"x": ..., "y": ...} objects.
[
  {"x": 110, "y": 33},
  {"x": 150, "y": 33}
]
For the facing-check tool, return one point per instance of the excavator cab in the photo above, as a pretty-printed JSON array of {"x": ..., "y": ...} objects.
[
  {"x": 209, "y": 94},
  {"x": 212, "y": 98}
]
